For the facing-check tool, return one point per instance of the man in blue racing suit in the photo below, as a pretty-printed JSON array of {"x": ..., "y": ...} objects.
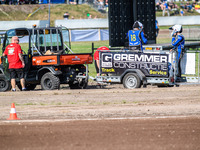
[
  {"x": 178, "y": 43},
  {"x": 136, "y": 37}
]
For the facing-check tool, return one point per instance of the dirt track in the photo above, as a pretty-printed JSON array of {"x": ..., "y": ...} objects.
[
  {"x": 180, "y": 132},
  {"x": 148, "y": 134},
  {"x": 111, "y": 102}
]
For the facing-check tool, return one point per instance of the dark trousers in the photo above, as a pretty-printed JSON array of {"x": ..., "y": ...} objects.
[{"x": 179, "y": 65}]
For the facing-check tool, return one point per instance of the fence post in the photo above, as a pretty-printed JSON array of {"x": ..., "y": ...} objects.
[
  {"x": 70, "y": 35},
  {"x": 99, "y": 30}
]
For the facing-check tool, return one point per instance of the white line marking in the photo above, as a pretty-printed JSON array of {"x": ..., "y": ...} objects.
[{"x": 95, "y": 119}]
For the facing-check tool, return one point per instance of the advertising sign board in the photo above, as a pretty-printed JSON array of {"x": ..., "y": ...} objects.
[{"x": 152, "y": 65}]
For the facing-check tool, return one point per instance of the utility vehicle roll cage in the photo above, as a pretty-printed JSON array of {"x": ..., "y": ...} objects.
[{"x": 42, "y": 39}]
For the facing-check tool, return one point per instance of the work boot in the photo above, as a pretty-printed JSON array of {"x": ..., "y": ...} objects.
[
  {"x": 13, "y": 90},
  {"x": 24, "y": 89}
]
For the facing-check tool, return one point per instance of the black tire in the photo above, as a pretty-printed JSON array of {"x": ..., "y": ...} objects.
[
  {"x": 50, "y": 81},
  {"x": 131, "y": 81},
  {"x": 4, "y": 84},
  {"x": 83, "y": 85}
]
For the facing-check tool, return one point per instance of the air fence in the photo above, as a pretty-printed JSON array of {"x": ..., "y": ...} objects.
[{"x": 86, "y": 29}]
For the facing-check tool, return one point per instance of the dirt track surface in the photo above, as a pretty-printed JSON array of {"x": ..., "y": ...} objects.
[
  {"x": 111, "y": 102},
  {"x": 110, "y": 118},
  {"x": 148, "y": 134}
]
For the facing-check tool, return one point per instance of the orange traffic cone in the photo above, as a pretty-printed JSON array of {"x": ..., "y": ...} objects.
[{"x": 13, "y": 115}]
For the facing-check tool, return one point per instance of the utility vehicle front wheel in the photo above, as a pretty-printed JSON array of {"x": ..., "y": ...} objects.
[
  {"x": 50, "y": 81},
  {"x": 4, "y": 84},
  {"x": 131, "y": 81}
]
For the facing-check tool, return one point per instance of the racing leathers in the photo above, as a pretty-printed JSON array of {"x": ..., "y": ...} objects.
[
  {"x": 178, "y": 43},
  {"x": 136, "y": 38}
]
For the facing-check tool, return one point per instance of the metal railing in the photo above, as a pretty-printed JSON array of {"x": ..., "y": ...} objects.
[{"x": 193, "y": 78}]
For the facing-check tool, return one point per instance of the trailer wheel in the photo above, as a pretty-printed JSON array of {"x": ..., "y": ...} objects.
[
  {"x": 50, "y": 81},
  {"x": 131, "y": 81},
  {"x": 4, "y": 84}
]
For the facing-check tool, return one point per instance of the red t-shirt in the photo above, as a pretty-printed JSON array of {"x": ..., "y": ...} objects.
[
  {"x": 12, "y": 51},
  {"x": 96, "y": 54}
]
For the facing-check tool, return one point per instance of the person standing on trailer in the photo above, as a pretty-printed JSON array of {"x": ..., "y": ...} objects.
[
  {"x": 178, "y": 42},
  {"x": 96, "y": 57},
  {"x": 16, "y": 62},
  {"x": 136, "y": 37}
]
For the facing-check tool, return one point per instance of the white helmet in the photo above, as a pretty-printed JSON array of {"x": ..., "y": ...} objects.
[
  {"x": 176, "y": 28},
  {"x": 140, "y": 24}
]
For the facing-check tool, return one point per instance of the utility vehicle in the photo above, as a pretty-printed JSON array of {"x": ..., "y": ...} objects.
[{"x": 49, "y": 60}]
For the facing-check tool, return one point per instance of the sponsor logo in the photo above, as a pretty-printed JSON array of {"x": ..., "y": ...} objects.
[
  {"x": 108, "y": 70},
  {"x": 76, "y": 59},
  {"x": 140, "y": 58},
  {"x": 106, "y": 60},
  {"x": 49, "y": 60},
  {"x": 38, "y": 61},
  {"x": 151, "y": 64},
  {"x": 157, "y": 72},
  {"x": 11, "y": 50}
]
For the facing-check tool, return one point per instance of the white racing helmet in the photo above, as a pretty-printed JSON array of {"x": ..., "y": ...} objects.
[
  {"x": 140, "y": 24},
  {"x": 176, "y": 28}
]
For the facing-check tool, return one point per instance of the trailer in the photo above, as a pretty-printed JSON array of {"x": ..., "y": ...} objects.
[{"x": 155, "y": 66}]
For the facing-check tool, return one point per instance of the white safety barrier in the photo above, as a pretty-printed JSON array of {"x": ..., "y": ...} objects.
[{"x": 6, "y": 25}]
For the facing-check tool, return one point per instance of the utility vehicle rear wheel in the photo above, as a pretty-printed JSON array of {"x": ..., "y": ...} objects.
[
  {"x": 4, "y": 84},
  {"x": 131, "y": 81},
  {"x": 50, "y": 81}
]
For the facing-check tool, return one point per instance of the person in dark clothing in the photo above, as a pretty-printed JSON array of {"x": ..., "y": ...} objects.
[{"x": 66, "y": 15}]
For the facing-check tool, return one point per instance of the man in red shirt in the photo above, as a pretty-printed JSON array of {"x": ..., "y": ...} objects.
[
  {"x": 96, "y": 57},
  {"x": 16, "y": 63}
]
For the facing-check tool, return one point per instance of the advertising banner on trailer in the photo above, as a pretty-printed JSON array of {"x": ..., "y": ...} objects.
[{"x": 152, "y": 65}]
